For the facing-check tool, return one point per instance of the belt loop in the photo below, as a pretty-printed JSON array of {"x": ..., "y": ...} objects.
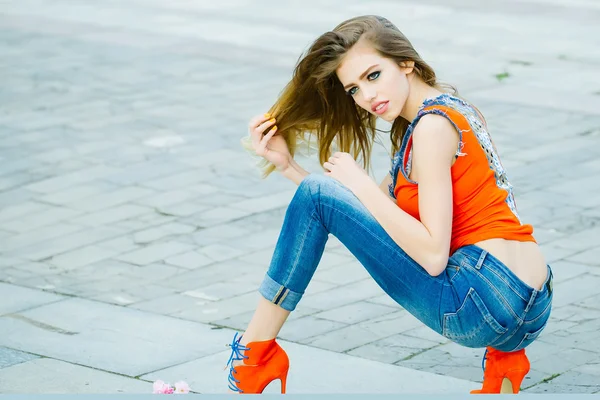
[
  {"x": 549, "y": 281},
  {"x": 482, "y": 256}
]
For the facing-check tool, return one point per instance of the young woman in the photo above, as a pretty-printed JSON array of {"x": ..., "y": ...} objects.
[{"x": 440, "y": 235}]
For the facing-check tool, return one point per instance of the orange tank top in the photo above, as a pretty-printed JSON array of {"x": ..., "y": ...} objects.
[{"x": 483, "y": 201}]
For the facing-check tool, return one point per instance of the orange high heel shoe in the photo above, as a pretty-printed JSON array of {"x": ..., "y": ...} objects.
[
  {"x": 264, "y": 362},
  {"x": 503, "y": 372}
]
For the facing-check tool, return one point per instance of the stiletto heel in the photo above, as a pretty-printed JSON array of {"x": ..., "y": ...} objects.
[
  {"x": 515, "y": 379},
  {"x": 283, "y": 382},
  {"x": 503, "y": 372},
  {"x": 263, "y": 362}
]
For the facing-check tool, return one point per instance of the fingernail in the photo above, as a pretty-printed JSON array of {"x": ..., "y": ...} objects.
[
  {"x": 272, "y": 120},
  {"x": 267, "y": 115},
  {"x": 274, "y": 128}
]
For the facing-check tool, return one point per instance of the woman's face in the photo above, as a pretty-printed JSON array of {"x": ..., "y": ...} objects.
[{"x": 376, "y": 83}]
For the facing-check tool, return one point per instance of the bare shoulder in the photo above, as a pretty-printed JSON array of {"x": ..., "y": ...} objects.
[{"x": 435, "y": 133}]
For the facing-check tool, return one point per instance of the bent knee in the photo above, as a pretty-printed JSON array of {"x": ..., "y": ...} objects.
[{"x": 317, "y": 185}]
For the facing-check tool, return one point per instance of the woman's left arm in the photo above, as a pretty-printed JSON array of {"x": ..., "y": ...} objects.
[{"x": 427, "y": 241}]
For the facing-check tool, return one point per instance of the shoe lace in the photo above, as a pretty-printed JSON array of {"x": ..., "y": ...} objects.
[
  {"x": 483, "y": 361},
  {"x": 236, "y": 355}
]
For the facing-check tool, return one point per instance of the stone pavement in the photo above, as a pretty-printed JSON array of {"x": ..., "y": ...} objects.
[{"x": 134, "y": 229}]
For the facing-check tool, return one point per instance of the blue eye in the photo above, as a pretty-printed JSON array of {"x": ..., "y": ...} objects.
[{"x": 372, "y": 76}]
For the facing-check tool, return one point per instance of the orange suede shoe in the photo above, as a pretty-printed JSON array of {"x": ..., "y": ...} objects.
[
  {"x": 264, "y": 362},
  {"x": 503, "y": 372}
]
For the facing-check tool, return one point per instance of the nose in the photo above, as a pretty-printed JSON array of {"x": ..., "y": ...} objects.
[{"x": 369, "y": 94}]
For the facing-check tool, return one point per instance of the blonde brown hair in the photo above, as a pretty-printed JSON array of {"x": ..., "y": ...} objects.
[{"x": 315, "y": 105}]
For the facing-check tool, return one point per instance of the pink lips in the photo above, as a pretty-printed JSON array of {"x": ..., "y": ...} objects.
[{"x": 382, "y": 109}]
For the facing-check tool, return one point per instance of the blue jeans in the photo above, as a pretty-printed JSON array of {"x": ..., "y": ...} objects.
[{"x": 476, "y": 302}]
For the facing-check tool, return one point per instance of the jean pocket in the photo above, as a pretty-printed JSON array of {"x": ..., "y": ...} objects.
[
  {"x": 528, "y": 338},
  {"x": 472, "y": 325}
]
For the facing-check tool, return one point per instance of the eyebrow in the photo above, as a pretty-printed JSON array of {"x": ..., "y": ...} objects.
[{"x": 362, "y": 75}]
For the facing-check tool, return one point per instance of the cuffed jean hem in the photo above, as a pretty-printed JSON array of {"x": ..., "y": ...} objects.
[{"x": 278, "y": 294}]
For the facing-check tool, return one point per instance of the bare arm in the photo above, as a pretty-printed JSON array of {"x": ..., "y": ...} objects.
[
  {"x": 295, "y": 172},
  {"x": 384, "y": 186},
  {"x": 426, "y": 241}
]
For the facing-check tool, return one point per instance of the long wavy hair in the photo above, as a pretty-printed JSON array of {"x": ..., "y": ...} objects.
[{"x": 314, "y": 105}]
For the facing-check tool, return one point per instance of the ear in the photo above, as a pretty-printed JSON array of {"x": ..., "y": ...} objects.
[{"x": 407, "y": 66}]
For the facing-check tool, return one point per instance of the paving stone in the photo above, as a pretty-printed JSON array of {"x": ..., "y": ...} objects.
[
  {"x": 181, "y": 180},
  {"x": 183, "y": 209},
  {"x": 82, "y": 256},
  {"x": 355, "y": 312},
  {"x": 589, "y": 369},
  {"x": 154, "y": 253},
  {"x": 307, "y": 327},
  {"x": 46, "y": 376},
  {"x": 341, "y": 340},
  {"x": 111, "y": 215},
  {"x": 564, "y": 270},
  {"x": 214, "y": 310},
  {"x": 38, "y": 235},
  {"x": 264, "y": 203},
  {"x": 589, "y": 257},
  {"x": 65, "y": 243},
  {"x": 553, "y": 388},
  {"x": 578, "y": 379},
  {"x": 26, "y": 208},
  {"x": 9, "y": 357},
  {"x": 215, "y": 216},
  {"x": 263, "y": 239},
  {"x": 18, "y": 298},
  {"x": 207, "y": 236},
  {"x": 161, "y": 231},
  {"x": 314, "y": 286},
  {"x": 575, "y": 290},
  {"x": 112, "y": 198},
  {"x": 342, "y": 295},
  {"x": 424, "y": 332},
  {"x": 87, "y": 341},
  {"x": 77, "y": 193},
  {"x": 37, "y": 220},
  {"x": 342, "y": 274},
  {"x": 220, "y": 252},
  {"x": 81, "y": 176},
  {"x": 166, "y": 198},
  {"x": 123, "y": 244}
]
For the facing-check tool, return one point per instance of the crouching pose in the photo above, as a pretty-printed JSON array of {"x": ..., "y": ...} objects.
[{"x": 440, "y": 235}]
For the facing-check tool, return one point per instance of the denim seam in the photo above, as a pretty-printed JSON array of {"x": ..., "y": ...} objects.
[
  {"x": 498, "y": 275},
  {"x": 312, "y": 219},
  {"x": 485, "y": 318},
  {"x": 502, "y": 298},
  {"x": 539, "y": 316},
  {"x": 507, "y": 283}
]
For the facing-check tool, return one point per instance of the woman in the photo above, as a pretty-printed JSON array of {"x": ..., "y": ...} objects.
[{"x": 450, "y": 249}]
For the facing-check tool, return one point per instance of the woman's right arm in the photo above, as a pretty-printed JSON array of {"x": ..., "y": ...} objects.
[
  {"x": 385, "y": 184},
  {"x": 273, "y": 148},
  {"x": 294, "y": 172}
]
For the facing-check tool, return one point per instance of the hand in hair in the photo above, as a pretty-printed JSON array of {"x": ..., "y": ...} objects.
[
  {"x": 272, "y": 148},
  {"x": 343, "y": 168}
]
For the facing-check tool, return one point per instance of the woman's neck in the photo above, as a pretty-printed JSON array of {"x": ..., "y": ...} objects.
[{"x": 419, "y": 91}]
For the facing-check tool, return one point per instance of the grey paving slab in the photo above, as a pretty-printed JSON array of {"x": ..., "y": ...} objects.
[
  {"x": 16, "y": 298},
  {"x": 307, "y": 376},
  {"x": 46, "y": 376},
  {"x": 144, "y": 341},
  {"x": 10, "y": 357}
]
